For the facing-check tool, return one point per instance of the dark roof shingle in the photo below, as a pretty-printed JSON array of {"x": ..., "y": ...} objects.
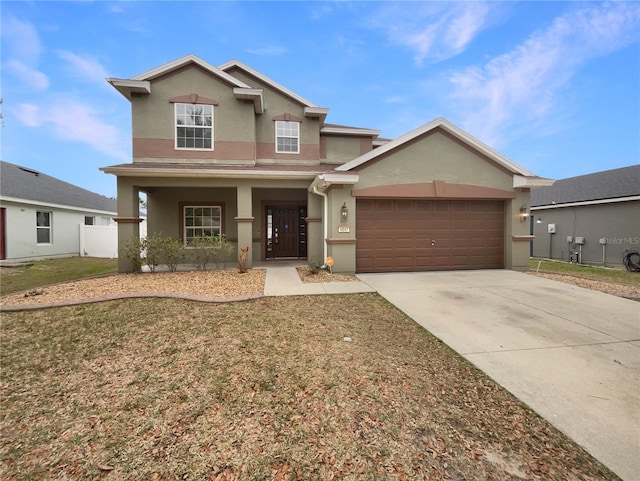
[
  {"x": 24, "y": 183},
  {"x": 608, "y": 184}
]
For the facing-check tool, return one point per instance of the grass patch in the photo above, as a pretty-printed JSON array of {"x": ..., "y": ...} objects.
[
  {"x": 615, "y": 276},
  {"x": 49, "y": 271},
  {"x": 264, "y": 389}
]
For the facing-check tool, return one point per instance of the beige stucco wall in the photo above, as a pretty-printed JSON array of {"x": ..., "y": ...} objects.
[
  {"x": 341, "y": 149},
  {"x": 153, "y": 114},
  {"x": 277, "y": 104},
  {"x": 434, "y": 157}
]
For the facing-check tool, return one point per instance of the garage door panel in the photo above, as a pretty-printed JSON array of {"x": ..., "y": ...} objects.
[{"x": 397, "y": 235}]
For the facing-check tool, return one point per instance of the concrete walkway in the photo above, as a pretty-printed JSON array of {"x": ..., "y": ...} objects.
[
  {"x": 283, "y": 280},
  {"x": 571, "y": 354}
]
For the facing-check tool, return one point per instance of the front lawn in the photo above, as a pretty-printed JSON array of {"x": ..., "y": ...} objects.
[
  {"x": 48, "y": 271},
  {"x": 285, "y": 388}
]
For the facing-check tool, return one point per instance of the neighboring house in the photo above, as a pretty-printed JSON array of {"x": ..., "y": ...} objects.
[
  {"x": 590, "y": 219},
  {"x": 40, "y": 215},
  {"x": 227, "y": 151}
]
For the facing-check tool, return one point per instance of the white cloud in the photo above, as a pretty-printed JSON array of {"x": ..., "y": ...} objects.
[
  {"x": 74, "y": 121},
  {"x": 27, "y": 75},
  {"x": 21, "y": 40},
  {"x": 397, "y": 99},
  {"x": 84, "y": 67},
  {"x": 268, "y": 50},
  {"x": 28, "y": 114},
  {"x": 436, "y": 30},
  {"x": 520, "y": 89}
]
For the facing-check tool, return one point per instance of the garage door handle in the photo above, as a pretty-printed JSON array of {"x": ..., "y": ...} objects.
[{"x": 433, "y": 242}]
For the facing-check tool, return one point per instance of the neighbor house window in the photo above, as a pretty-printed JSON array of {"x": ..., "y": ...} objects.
[
  {"x": 287, "y": 137},
  {"x": 202, "y": 221},
  {"x": 89, "y": 220},
  {"x": 194, "y": 126},
  {"x": 43, "y": 227}
]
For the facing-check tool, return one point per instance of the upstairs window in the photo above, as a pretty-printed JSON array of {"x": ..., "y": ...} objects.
[
  {"x": 287, "y": 137},
  {"x": 43, "y": 227},
  {"x": 194, "y": 126}
]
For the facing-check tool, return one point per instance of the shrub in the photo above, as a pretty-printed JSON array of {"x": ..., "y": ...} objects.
[
  {"x": 171, "y": 252},
  {"x": 201, "y": 251},
  {"x": 132, "y": 251}
]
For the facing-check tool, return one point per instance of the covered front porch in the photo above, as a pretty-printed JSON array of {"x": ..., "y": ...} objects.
[{"x": 270, "y": 210}]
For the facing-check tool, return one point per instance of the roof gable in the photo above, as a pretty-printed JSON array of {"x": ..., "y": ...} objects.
[
  {"x": 447, "y": 126},
  {"x": 27, "y": 184},
  {"x": 608, "y": 184},
  {"x": 273, "y": 84},
  {"x": 142, "y": 83},
  {"x": 186, "y": 60}
]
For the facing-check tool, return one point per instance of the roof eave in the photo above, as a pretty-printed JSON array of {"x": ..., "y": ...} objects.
[
  {"x": 255, "y": 95},
  {"x": 208, "y": 173},
  {"x": 531, "y": 182},
  {"x": 319, "y": 113},
  {"x": 127, "y": 86},
  {"x": 323, "y": 181},
  {"x": 350, "y": 131}
]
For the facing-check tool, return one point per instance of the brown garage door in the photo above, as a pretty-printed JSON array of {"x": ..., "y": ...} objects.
[{"x": 423, "y": 235}]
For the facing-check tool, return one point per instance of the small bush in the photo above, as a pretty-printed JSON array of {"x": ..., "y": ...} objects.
[
  {"x": 201, "y": 251},
  {"x": 132, "y": 250}
]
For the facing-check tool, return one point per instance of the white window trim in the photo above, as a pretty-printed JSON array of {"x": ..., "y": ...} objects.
[
  {"x": 49, "y": 227},
  {"x": 175, "y": 127},
  {"x": 197, "y": 206},
  {"x": 287, "y": 137}
]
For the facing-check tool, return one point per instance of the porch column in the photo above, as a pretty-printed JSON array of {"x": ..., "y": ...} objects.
[
  {"x": 315, "y": 234},
  {"x": 128, "y": 221},
  {"x": 244, "y": 219}
]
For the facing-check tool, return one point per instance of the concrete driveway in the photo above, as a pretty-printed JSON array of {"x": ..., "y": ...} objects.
[{"x": 571, "y": 354}]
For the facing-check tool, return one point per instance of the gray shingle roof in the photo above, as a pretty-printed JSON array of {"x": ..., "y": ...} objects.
[
  {"x": 609, "y": 184},
  {"x": 24, "y": 183}
]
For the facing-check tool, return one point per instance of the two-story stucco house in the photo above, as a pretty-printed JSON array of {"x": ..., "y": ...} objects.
[{"x": 226, "y": 150}]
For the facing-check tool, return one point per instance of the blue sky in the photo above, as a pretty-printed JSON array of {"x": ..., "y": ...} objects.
[{"x": 554, "y": 86}]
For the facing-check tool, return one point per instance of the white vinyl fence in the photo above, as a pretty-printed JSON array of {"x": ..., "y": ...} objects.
[{"x": 102, "y": 241}]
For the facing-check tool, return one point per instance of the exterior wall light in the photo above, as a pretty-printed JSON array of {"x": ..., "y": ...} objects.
[
  {"x": 344, "y": 212},
  {"x": 523, "y": 214},
  {"x": 539, "y": 220}
]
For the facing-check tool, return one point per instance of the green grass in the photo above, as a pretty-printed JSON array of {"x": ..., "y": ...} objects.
[
  {"x": 616, "y": 276},
  {"x": 50, "y": 271}
]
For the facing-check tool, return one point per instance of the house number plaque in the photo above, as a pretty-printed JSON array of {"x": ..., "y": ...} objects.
[{"x": 344, "y": 228}]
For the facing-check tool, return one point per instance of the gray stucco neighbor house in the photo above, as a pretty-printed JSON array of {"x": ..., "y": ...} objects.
[
  {"x": 590, "y": 218},
  {"x": 228, "y": 151},
  {"x": 40, "y": 215}
]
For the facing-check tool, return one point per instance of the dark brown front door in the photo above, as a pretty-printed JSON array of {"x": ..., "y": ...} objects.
[{"x": 282, "y": 234}]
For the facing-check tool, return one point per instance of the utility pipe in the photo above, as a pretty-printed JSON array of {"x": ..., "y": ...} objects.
[{"x": 325, "y": 224}]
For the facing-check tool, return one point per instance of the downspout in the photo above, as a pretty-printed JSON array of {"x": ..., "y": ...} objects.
[{"x": 325, "y": 224}]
